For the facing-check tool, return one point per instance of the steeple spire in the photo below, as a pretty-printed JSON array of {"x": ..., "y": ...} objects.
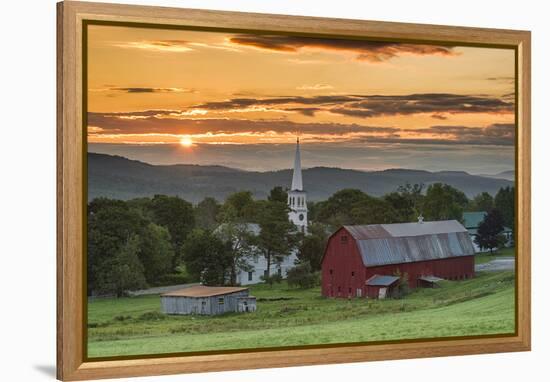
[{"x": 297, "y": 175}]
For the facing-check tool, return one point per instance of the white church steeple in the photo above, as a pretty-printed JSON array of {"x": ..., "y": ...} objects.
[
  {"x": 297, "y": 200},
  {"x": 297, "y": 174}
]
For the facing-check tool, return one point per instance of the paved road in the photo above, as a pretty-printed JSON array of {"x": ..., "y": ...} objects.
[
  {"x": 500, "y": 264},
  {"x": 159, "y": 290}
]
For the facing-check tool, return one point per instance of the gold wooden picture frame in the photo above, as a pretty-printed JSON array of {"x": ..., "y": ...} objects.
[{"x": 72, "y": 360}]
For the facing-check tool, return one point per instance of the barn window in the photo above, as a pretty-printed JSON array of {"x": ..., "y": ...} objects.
[
  {"x": 352, "y": 274},
  {"x": 338, "y": 289},
  {"x": 221, "y": 301},
  {"x": 349, "y": 291},
  {"x": 344, "y": 239},
  {"x": 280, "y": 272},
  {"x": 249, "y": 276},
  {"x": 330, "y": 271},
  {"x": 265, "y": 273}
]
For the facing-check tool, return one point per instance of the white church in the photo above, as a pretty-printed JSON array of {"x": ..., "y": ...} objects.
[{"x": 297, "y": 202}]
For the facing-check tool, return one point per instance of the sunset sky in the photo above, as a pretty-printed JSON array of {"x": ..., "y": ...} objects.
[{"x": 239, "y": 100}]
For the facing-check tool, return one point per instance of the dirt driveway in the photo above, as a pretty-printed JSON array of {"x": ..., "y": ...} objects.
[{"x": 500, "y": 264}]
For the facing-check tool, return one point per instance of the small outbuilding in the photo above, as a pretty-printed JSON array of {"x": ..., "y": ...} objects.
[
  {"x": 206, "y": 300},
  {"x": 379, "y": 286},
  {"x": 429, "y": 281}
]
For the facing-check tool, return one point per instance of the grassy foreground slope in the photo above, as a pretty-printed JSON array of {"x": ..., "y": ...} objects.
[{"x": 133, "y": 326}]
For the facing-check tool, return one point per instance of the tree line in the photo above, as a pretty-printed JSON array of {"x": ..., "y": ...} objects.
[{"x": 166, "y": 240}]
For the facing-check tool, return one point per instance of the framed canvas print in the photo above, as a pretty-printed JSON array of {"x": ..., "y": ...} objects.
[{"x": 241, "y": 190}]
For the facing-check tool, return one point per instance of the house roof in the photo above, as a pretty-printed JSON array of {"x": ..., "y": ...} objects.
[
  {"x": 251, "y": 228},
  {"x": 203, "y": 291},
  {"x": 472, "y": 219},
  {"x": 384, "y": 244},
  {"x": 378, "y": 280}
]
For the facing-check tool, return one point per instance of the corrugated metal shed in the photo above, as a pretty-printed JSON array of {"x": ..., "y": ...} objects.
[
  {"x": 379, "y": 280},
  {"x": 384, "y": 244}
]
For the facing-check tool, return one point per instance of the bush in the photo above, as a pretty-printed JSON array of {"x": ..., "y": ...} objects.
[
  {"x": 270, "y": 280},
  {"x": 152, "y": 316},
  {"x": 403, "y": 286},
  {"x": 301, "y": 276}
]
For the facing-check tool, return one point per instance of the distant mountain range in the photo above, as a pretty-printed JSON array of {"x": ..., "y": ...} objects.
[
  {"x": 508, "y": 175},
  {"x": 122, "y": 178}
]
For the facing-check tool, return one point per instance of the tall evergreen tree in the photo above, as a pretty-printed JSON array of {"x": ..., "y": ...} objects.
[{"x": 278, "y": 236}]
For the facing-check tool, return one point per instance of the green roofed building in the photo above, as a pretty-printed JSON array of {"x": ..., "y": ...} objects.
[{"x": 471, "y": 223}]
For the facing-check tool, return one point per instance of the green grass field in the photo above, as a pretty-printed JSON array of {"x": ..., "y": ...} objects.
[{"x": 286, "y": 317}]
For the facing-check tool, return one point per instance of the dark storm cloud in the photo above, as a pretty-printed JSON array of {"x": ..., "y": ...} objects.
[
  {"x": 367, "y": 106},
  {"x": 158, "y": 121},
  {"x": 500, "y": 134},
  {"x": 370, "y": 51},
  {"x": 155, "y": 122},
  {"x": 144, "y": 90}
]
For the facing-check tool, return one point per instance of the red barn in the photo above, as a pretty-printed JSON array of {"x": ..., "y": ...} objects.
[{"x": 355, "y": 254}]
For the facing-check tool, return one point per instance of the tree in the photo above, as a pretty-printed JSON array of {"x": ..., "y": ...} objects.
[
  {"x": 505, "y": 203},
  {"x": 241, "y": 205},
  {"x": 206, "y": 213},
  {"x": 278, "y": 236},
  {"x": 111, "y": 223},
  {"x": 489, "y": 232},
  {"x": 403, "y": 288},
  {"x": 277, "y": 194},
  {"x": 239, "y": 240},
  {"x": 206, "y": 257},
  {"x": 302, "y": 276},
  {"x": 312, "y": 246},
  {"x": 122, "y": 272},
  {"x": 371, "y": 210},
  {"x": 406, "y": 202},
  {"x": 177, "y": 216},
  {"x": 155, "y": 252},
  {"x": 481, "y": 202},
  {"x": 443, "y": 202}
]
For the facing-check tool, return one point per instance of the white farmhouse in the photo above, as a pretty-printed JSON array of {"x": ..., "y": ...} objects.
[{"x": 298, "y": 215}]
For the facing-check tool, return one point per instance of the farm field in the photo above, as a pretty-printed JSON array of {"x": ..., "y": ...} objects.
[{"x": 289, "y": 317}]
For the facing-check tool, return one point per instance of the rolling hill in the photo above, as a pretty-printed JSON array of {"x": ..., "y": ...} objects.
[{"x": 122, "y": 178}]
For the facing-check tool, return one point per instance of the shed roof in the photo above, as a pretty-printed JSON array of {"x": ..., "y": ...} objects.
[
  {"x": 430, "y": 279},
  {"x": 203, "y": 291},
  {"x": 379, "y": 280},
  {"x": 384, "y": 244}
]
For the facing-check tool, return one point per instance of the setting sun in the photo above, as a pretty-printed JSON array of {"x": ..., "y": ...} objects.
[{"x": 186, "y": 142}]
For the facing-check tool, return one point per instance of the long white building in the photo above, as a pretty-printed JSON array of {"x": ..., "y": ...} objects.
[{"x": 297, "y": 201}]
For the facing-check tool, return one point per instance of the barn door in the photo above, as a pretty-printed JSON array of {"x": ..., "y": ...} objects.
[{"x": 382, "y": 293}]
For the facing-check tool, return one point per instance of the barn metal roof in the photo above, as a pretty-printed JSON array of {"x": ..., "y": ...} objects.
[
  {"x": 378, "y": 280},
  {"x": 385, "y": 244},
  {"x": 203, "y": 291}
]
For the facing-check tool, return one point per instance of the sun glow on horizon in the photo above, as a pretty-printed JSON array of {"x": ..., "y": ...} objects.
[{"x": 186, "y": 141}]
